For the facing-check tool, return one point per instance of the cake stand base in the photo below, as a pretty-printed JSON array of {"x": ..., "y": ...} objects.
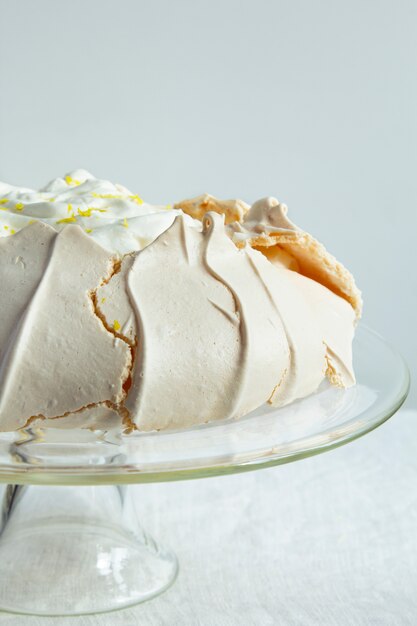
[{"x": 76, "y": 550}]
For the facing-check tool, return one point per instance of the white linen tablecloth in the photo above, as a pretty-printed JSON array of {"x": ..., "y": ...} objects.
[{"x": 331, "y": 540}]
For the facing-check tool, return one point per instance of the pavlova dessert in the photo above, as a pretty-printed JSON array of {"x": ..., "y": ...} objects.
[{"x": 118, "y": 313}]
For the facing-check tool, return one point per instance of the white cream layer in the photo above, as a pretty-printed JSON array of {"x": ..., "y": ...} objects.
[{"x": 109, "y": 213}]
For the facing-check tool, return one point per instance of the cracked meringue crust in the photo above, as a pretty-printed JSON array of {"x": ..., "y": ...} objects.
[
  {"x": 57, "y": 343},
  {"x": 197, "y": 321},
  {"x": 221, "y": 330}
]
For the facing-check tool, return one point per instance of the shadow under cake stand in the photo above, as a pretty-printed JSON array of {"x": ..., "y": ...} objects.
[{"x": 71, "y": 542}]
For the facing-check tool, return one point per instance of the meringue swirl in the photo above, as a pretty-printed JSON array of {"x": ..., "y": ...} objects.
[{"x": 120, "y": 313}]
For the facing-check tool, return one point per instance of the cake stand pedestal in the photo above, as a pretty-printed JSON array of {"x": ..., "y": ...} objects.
[
  {"x": 70, "y": 540},
  {"x": 72, "y": 550}
]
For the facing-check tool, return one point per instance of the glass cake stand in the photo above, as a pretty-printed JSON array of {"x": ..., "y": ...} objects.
[{"x": 70, "y": 539}]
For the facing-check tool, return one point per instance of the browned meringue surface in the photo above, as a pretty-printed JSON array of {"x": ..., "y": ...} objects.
[
  {"x": 209, "y": 321},
  {"x": 56, "y": 356},
  {"x": 234, "y": 210},
  {"x": 267, "y": 228}
]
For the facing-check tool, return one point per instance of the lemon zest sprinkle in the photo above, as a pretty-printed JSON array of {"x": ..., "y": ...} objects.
[
  {"x": 103, "y": 300},
  {"x": 86, "y": 213},
  {"x": 116, "y": 325},
  {"x": 69, "y": 209},
  {"x": 136, "y": 198},
  {"x": 107, "y": 195},
  {"x": 72, "y": 181},
  {"x": 88, "y": 230},
  {"x": 125, "y": 223},
  {"x": 67, "y": 220},
  {"x": 6, "y": 228},
  {"x": 19, "y": 206},
  {"x": 3, "y": 201},
  {"x": 12, "y": 231}
]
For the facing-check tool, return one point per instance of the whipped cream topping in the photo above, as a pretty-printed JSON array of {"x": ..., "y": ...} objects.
[{"x": 116, "y": 218}]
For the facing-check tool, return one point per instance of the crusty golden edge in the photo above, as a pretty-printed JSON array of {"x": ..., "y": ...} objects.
[
  {"x": 312, "y": 258},
  {"x": 314, "y": 262},
  {"x": 234, "y": 210}
]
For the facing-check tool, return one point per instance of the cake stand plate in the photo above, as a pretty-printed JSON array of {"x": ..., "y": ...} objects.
[{"x": 70, "y": 538}]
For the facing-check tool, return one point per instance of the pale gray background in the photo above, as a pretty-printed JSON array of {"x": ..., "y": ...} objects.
[{"x": 314, "y": 102}]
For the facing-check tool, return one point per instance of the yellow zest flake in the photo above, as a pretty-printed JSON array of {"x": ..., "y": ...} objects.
[
  {"x": 125, "y": 223},
  {"x": 103, "y": 300},
  {"x": 19, "y": 206},
  {"x": 67, "y": 220},
  {"x": 4, "y": 201},
  {"x": 107, "y": 195},
  {"x": 12, "y": 231},
  {"x": 136, "y": 199},
  {"x": 32, "y": 222},
  {"x": 116, "y": 325},
  {"x": 88, "y": 230},
  {"x": 6, "y": 228},
  {"x": 87, "y": 212},
  {"x": 72, "y": 181},
  {"x": 169, "y": 206},
  {"x": 51, "y": 199}
]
